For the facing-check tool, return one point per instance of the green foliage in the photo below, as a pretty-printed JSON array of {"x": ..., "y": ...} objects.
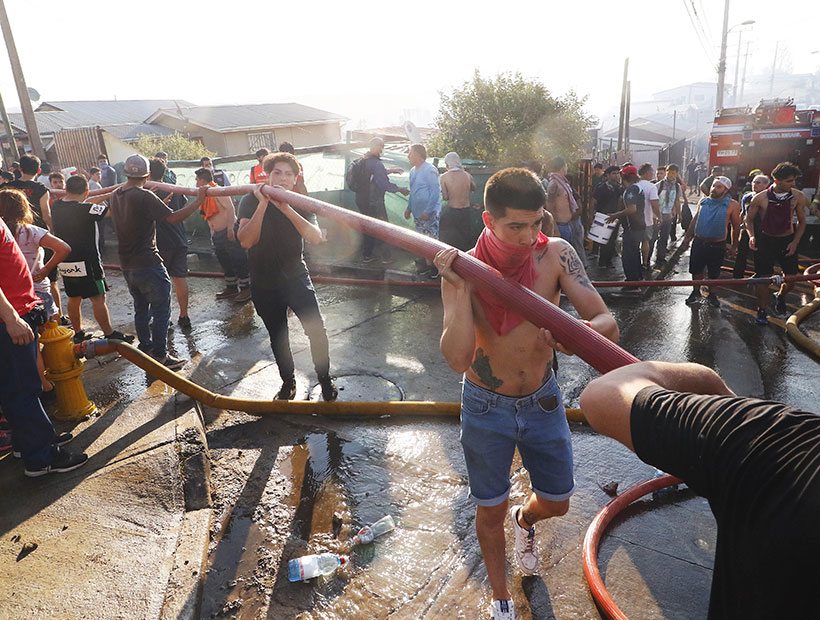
[
  {"x": 177, "y": 146},
  {"x": 509, "y": 119}
]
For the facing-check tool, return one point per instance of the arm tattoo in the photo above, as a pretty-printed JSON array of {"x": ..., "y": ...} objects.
[
  {"x": 481, "y": 367},
  {"x": 573, "y": 267}
]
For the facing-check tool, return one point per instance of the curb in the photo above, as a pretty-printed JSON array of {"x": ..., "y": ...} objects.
[{"x": 183, "y": 594}]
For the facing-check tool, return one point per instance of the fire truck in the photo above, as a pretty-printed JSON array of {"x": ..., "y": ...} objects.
[{"x": 775, "y": 130}]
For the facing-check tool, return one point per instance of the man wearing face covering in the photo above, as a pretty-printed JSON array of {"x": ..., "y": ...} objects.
[
  {"x": 510, "y": 397},
  {"x": 456, "y": 185},
  {"x": 709, "y": 228}
]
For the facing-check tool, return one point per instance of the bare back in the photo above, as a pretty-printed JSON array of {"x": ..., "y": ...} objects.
[
  {"x": 558, "y": 203},
  {"x": 456, "y": 186}
]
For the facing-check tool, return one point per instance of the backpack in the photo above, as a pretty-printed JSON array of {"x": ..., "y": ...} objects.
[{"x": 356, "y": 176}]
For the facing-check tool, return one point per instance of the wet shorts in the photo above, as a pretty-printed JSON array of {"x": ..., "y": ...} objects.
[
  {"x": 176, "y": 261},
  {"x": 492, "y": 426},
  {"x": 84, "y": 286},
  {"x": 771, "y": 250},
  {"x": 707, "y": 255}
]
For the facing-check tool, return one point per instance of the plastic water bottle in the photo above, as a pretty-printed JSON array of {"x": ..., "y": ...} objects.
[
  {"x": 310, "y": 566},
  {"x": 369, "y": 532}
]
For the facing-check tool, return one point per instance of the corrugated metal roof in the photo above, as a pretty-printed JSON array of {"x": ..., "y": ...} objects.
[
  {"x": 47, "y": 122},
  {"x": 131, "y": 132},
  {"x": 235, "y": 117},
  {"x": 112, "y": 112}
]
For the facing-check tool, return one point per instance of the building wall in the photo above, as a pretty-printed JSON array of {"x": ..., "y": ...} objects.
[
  {"x": 239, "y": 143},
  {"x": 212, "y": 140}
]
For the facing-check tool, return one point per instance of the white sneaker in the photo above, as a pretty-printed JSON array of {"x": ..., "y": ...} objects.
[
  {"x": 526, "y": 547},
  {"x": 503, "y": 610}
]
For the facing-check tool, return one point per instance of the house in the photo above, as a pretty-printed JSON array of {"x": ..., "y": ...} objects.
[
  {"x": 74, "y": 132},
  {"x": 239, "y": 129}
]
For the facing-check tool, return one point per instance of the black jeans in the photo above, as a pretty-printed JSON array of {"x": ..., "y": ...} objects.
[
  {"x": 369, "y": 244},
  {"x": 631, "y": 255},
  {"x": 607, "y": 252},
  {"x": 742, "y": 257},
  {"x": 272, "y": 306}
]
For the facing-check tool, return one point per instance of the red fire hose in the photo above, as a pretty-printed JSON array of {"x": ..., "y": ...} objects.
[
  {"x": 599, "y": 352},
  {"x": 595, "y": 532}
]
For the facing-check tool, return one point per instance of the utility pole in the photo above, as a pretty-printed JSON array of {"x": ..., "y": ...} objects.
[
  {"x": 623, "y": 106},
  {"x": 737, "y": 66},
  {"x": 722, "y": 62},
  {"x": 745, "y": 62},
  {"x": 20, "y": 83},
  {"x": 674, "y": 123},
  {"x": 15, "y": 154},
  {"x": 774, "y": 68},
  {"x": 626, "y": 114}
]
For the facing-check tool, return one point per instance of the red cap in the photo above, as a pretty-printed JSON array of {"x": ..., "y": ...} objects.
[{"x": 629, "y": 170}]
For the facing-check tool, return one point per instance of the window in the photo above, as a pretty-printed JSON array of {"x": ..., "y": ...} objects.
[{"x": 257, "y": 141}]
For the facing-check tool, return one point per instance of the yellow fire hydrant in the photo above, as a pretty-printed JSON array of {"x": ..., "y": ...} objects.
[{"x": 64, "y": 370}]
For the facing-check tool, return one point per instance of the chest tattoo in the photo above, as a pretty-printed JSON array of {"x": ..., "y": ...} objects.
[{"x": 481, "y": 367}]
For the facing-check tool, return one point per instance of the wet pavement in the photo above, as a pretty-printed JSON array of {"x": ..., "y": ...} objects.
[{"x": 285, "y": 486}]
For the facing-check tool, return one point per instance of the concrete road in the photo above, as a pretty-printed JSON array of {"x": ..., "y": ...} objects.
[{"x": 286, "y": 486}]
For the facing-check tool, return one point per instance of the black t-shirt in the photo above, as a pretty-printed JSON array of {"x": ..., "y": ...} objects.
[
  {"x": 76, "y": 224},
  {"x": 278, "y": 254},
  {"x": 170, "y": 236},
  {"x": 633, "y": 195},
  {"x": 606, "y": 197},
  {"x": 34, "y": 191},
  {"x": 758, "y": 464},
  {"x": 134, "y": 211}
]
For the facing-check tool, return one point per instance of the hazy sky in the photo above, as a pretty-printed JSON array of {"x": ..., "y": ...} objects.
[{"x": 371, "y": 60}]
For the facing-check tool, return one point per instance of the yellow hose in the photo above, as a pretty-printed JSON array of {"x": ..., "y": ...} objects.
[
  {"x": 262, "y": 407},
  {"x": 792, "y": 329}
]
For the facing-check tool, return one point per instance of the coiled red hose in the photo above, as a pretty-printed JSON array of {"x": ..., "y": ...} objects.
[{"x": 592, "y": 540}]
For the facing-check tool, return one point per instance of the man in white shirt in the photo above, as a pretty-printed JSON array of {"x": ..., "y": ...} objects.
[{"x": 651, "y": 212}]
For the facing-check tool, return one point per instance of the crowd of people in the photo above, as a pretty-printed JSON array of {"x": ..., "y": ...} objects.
[{"x": 510, "y": 398}]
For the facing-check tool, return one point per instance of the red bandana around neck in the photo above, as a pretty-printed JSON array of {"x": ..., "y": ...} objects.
[{"x": 513, "y": 262}]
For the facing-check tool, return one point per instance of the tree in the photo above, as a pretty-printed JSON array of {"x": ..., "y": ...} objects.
[
  {"x": 176, "y": 145},
  {"x": 509, "y": 119}
]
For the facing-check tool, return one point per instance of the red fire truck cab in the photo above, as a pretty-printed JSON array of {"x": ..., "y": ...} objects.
[{"x": 775, "y": 130}]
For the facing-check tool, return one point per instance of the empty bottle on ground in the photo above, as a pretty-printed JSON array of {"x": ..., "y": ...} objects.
[
  {"x": 370, "y": 532},
  {"x": 310, "y": 566}
]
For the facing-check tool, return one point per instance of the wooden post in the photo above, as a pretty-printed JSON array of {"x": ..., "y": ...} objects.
[
  {"x": 20, "y": 83},
  {"x": 15, "y": 154}
]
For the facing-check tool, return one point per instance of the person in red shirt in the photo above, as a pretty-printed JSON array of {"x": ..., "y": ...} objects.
[
  {"x": 257, "y": 172},
  {"x": 21, "y": 312}
]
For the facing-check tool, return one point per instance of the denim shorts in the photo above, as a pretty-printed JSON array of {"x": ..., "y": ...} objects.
[{"x": 493, "y": 425}]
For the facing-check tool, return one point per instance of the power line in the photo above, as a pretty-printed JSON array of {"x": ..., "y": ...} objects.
[
  {"x": 708, "y": 26},
  {"x": 700, "y": 37}
]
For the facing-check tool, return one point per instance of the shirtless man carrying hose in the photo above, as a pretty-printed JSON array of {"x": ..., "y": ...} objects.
[
  {"x": 510, "y": 397},
  {"x": 777, "y": 242}
]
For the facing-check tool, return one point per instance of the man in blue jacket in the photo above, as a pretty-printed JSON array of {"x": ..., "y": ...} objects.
[
  {"x": 425, "y": 201},
  {"x": 370, "y": 200}
]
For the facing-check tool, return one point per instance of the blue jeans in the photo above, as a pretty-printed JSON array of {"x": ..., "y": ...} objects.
[
  {"x": 493, "y": 425},
  {"x": 151, "y": 290},
  {"x": 32, "y": 433},
  {"x": 272, "y": 306}
]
